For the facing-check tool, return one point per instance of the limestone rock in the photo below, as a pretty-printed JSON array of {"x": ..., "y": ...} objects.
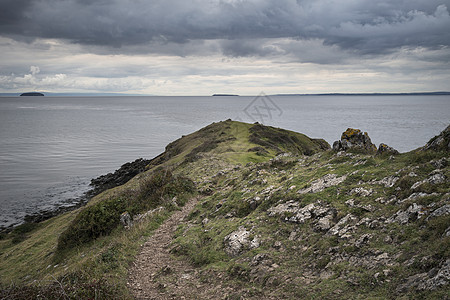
[
  {"x": 342, "y": 229},
  {"x": 442, "y": 277},
  {"x": 238, "y": 240},
  {"x": 125, "y": 220},
  {"x": 322, "y": 216},
  {"x": 416, "y": 196},
  {"x": 412, "y": 213},
  {"x": 439, "y": 163},
  {"x": 423, "y": 281},
  {"x": 360, "y": 191},
  {"x": 288, "y": 207},
  {"x": 440, "y": 142},
  {"x": 354, "y": 139},
  {"x": 388, "y": 181},
  {"x": 442, "y": 211},
  {"x": 364, "y": 239},
  {"x": 323, "y": 183},
  {"x": 324, "y": 223},
  {"x": 435, "y": 178}
]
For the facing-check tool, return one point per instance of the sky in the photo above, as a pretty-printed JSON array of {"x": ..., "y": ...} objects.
[{"x": 202, "y": 47}]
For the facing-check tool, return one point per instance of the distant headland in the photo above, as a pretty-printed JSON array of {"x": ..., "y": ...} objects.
[
  {"x": 371, "y": 94},
  {"x": 32, "y": 94}
]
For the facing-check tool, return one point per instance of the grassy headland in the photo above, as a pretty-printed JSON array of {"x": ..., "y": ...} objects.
[{"x": 280, "y": 216}]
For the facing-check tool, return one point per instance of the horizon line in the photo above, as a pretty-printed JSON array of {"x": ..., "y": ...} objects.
[{"x": 100, "y": 94}]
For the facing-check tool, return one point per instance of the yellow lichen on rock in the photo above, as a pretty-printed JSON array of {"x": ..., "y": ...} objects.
[{"x": 349, "y": 132}]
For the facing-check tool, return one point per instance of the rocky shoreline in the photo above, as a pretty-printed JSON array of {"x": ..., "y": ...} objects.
[{"x": 98, "y": 185}]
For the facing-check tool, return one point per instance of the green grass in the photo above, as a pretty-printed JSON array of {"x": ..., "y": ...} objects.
[{"x": 217, "y": 158}]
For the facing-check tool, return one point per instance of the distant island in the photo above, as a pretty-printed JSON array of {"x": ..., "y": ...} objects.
[
  {"x": 32, "y": 94},
  {"x": 220, "y": 95}
]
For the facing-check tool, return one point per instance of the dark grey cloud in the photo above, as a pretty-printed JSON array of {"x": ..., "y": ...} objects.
[
  {"x": 181, "y": 27},
  {"x": 12, "y": 15}
]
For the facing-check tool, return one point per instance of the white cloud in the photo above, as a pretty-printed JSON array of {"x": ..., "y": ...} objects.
[{"x": 34, "y": 70}]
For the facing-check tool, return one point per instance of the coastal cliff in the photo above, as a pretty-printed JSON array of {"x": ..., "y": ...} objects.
[{"x": 247, "y": 211}]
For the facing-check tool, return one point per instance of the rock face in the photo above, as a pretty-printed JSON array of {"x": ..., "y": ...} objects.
[
  {"x": 440, "y": 142},
  {"x": 354, "y": 139}
]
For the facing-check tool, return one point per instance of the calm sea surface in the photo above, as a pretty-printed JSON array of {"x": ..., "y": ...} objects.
[{"x": 50, "y": 147}]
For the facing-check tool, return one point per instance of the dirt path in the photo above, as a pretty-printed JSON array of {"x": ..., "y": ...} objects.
[{"x": 156, "y": 274}]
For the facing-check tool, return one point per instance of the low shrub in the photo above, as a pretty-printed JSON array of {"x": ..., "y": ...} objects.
[
  {"x": 102, "y": 218},
  {"x": 72, "y": 286},
  {"x": 20, "y": 232}
]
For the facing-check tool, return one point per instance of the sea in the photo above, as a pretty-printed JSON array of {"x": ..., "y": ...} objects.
[{"x": 51, "y": 147}]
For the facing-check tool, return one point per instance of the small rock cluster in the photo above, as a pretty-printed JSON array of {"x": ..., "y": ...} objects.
[
  {"x": 322, "y": 215},
  {"x": 354, "y": 139}
]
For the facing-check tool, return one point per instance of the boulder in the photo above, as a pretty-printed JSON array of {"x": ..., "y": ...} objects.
[
  {"x": 354, "y": 139},
  {"x": 238, "y": 240}
]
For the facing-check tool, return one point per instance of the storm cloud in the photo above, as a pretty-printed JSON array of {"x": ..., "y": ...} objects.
[
  {"x": 237, "y": 28},
  {"x": 200, "y": 47}
]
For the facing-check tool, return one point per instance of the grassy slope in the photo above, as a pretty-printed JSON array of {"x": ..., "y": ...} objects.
[
  {"x": 305, "y": 265},
  {"x": 301, "y": 264}
]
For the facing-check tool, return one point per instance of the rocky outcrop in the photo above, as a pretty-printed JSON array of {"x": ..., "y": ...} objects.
[
  {"x": 431, "y": 280},
  {"x": 388, "y": 181},
  {"x": 441, "y": 211},
  {"x": 436, "y": 177},
  {"x": 440, "y": 142},
  {"x": 291, "y": 211},
  {"x": 354, "y": 139},
  {"x": 323, "y": 183},
  {"x": 412, "y": 213},
  {"x": 384, "y": 149}
]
